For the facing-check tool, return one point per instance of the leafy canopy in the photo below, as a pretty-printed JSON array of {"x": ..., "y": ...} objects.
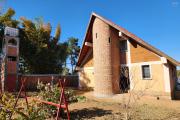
[
  {"x": 178, "y": 73},
  {"x": 73, "y": 51},
  {"x": 40, "y": 52}
]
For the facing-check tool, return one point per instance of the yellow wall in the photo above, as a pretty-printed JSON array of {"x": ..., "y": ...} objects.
[
  {"x": 86, "y": 74},
  {"x": 86, "y": 77},
  {"x": 156, "y": 84}
]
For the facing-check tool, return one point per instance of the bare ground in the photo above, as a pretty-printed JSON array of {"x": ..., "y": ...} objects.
[{"x": 147, "y": 107}]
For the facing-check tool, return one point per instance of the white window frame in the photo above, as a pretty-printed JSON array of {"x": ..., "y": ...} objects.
[{"x": 149, "y": 70}]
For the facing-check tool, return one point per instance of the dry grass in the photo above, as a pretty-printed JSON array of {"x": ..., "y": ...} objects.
[{"x": 147, "y": 108}]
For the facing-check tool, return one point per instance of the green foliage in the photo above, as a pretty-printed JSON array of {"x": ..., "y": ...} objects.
[
  {"x": 34, "y": 112},
  {"x": 7, "y": 101},
  {"x": 81, "y": 98},
  {"x": 65, "y": 71},
  {"x": 51, "y": 93},
  {"x": 6, "y": 20},
  {"x": 178, "y": 73},
  {"x": 6, "y": 105},
  {"x": 38, "y": 49},
  {"x": 57, "y": 34},
  {"x": 73, "y": 51}
]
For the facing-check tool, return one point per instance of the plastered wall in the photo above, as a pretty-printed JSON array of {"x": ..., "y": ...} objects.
[{"x": 155, "y": 84}]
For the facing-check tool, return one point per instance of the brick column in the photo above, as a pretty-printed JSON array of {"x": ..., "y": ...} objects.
[{"x": 102, "y": 59}]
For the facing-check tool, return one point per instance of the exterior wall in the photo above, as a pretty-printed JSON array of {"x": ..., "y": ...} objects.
[
  {"x": 163, "y": 78},
  {"x": 86, "y": 77},
  {"x": 154, "y": 85},
  {"x": 89, "y": 62},
  {"x": 33, "y": 79},
  {"x": 12, "y": 51},
  {"x": 167, "y": 78},
  {"x": 10, "y": 83},
  {"x": 86, "y": 74},
  {"x": 9, "y": 72},
  {"x": 115, "y": 56},
  {"x": 102, "y": 59},
  {"x": 141, "y": 54},
  {"x": 11, "y": 67},
  {"x": 173, "y": 78}
]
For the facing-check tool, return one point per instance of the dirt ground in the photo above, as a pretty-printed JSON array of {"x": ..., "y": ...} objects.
[{"x": 113, "y": 108}]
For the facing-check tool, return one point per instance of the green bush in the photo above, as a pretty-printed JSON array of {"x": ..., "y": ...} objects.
[
  {"x": 36, "y": 111},
  {"x": 51, "y": 93},
  {"x": 7, "y": 101},
  {"x": 33, "y": 112}
]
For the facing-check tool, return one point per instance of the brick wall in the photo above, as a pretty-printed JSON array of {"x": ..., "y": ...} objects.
[
  {"x": 102, "y": 59},
  {"x": 11, "y": 67},
  {"x": 12, "y": 51},
  {"x": 32, "y": 80},
  {"x": 115, "y": 58}
]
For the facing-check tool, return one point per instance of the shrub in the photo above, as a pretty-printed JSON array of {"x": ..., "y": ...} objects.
[
  {"x": 51, "y": 93},
  {"x": 33, "y": 112},
  {"x": 7, "y": 101},
  {"x": 6, "y": 105}
]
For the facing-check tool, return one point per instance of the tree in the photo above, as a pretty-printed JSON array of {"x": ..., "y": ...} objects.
[
  {"x": 73, "y": 51},
  {"x": 178, "y": 73},
  {"x": 6, "y": 20},
  {"x": 42, "y": 52}
]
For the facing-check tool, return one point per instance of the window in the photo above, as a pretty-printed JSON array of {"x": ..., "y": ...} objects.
[
  {"x": 123, "y": 45},
  {"x": 109, "y": 40},
  {"x": 12, "y": 42},
  {"x": 146, "y": 73},
  {"x": 11, "y": 58}
]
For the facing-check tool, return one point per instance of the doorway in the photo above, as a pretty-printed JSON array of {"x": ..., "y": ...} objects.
[{"x": 124, "y": 82}]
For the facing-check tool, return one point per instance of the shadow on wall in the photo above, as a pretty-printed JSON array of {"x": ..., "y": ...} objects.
[
  {"x": 89, "y": 113},
  {"x": 84, "y": 81}
]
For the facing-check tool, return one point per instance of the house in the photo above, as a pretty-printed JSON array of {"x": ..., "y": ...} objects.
[{"x": 113, "y": 60}]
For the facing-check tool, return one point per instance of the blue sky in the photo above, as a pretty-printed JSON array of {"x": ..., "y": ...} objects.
[{"x": 155, "y": 21}]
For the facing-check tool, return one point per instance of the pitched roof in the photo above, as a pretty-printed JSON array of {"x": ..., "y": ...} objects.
[{"x": 88, "y": 38}]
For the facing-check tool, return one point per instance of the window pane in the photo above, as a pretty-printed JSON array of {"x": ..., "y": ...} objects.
[
  {"x": 146, "y": 71},
  {"x": 123, "y": 45}
]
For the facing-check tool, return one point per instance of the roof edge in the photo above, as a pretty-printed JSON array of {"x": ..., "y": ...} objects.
[
  {"x": 137, "y": 39},
  {"x": 130, "y": 35}
]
